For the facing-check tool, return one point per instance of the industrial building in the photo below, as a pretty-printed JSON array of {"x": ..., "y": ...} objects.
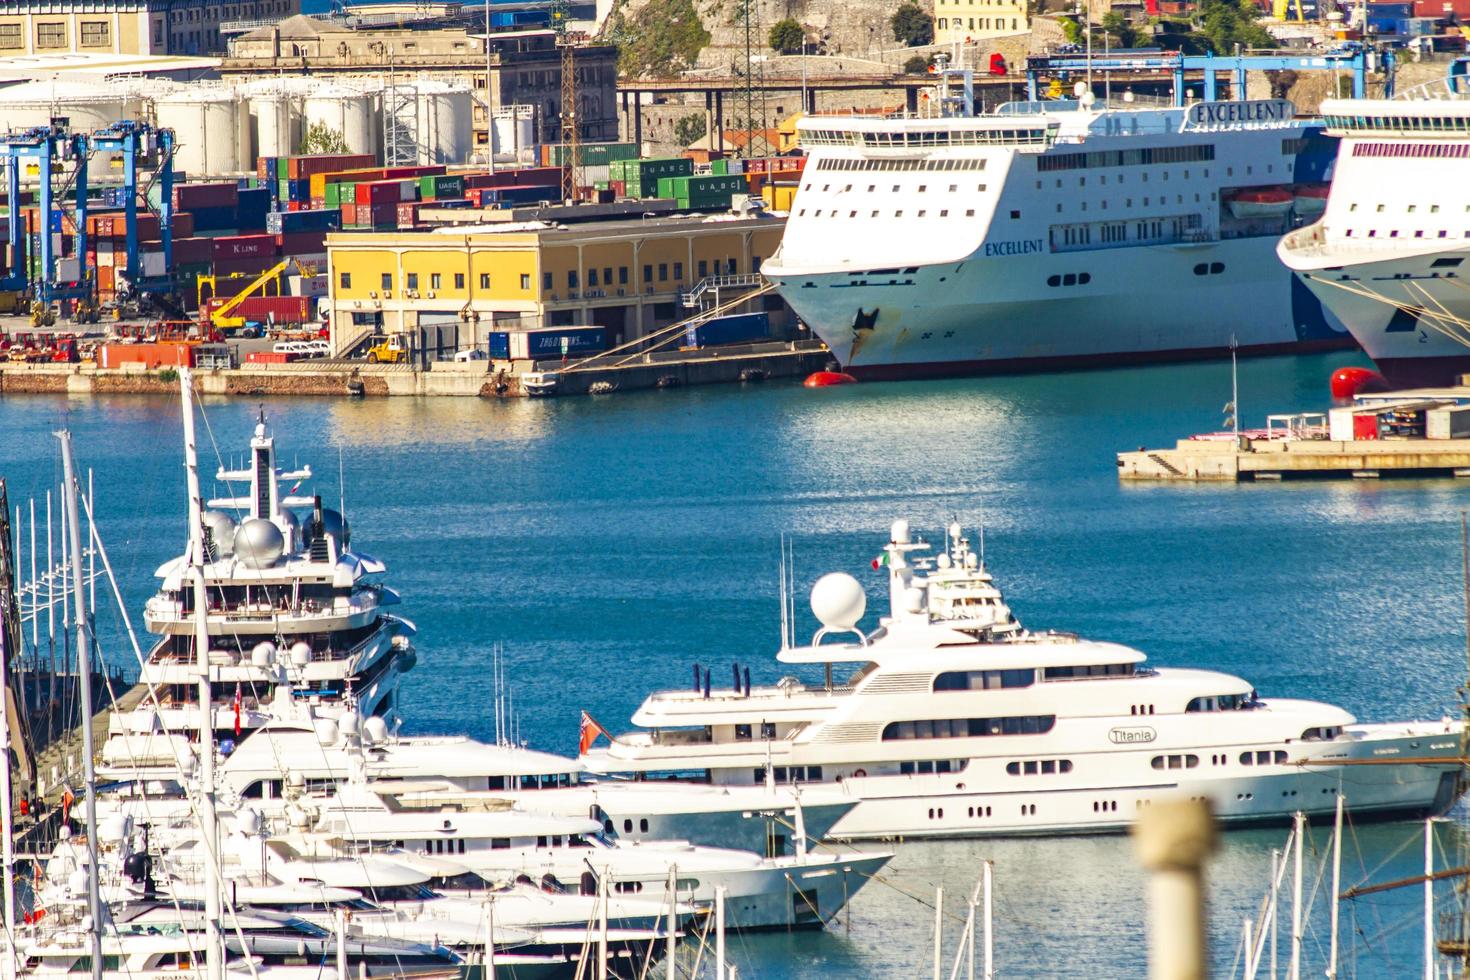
[
  {"x": 963, "y": 21},
  {"x": 523, "y": 68},
  {"x": 629, "y": 276},
  {"x": 129, "y": 26}
]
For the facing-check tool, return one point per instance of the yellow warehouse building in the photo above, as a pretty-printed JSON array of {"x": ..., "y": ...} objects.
[{"x": 627, "y": 276}]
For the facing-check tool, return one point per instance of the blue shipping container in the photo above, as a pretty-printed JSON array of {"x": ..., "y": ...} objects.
[
  {"x": 742, "y": 328},
  {"x": 547, "y": 343},
  {"x": 292, "y": 222},
  {"x": 214, "y": 219},
  {"x": 253, "y": 206}
]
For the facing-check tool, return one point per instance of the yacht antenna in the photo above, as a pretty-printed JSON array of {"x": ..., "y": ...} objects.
[
  {"x": 784, "y": 624},
  {"x": 982, "y": 544},
  {"x": 212, "y": 889},
  {"x": 341, "y": 484},
  {"x": 84, "y": 687}
]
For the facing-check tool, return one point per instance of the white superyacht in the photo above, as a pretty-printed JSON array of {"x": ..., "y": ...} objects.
[
  {"x": 1053, "y": 234},
  {"x": 958, "y": 722},
  {"x": 1388, "y": 255},
  {"x": 289, "y": 599}
]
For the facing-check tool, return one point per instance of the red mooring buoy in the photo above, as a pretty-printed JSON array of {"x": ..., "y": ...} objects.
[
  {"x": 826, "y": 379},
  {"x": 1349, "y": 382}
]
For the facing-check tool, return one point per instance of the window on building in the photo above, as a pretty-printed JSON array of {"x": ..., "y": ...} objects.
[
  {"x": 703, "y": 268},
  {"x": 435, "y": 280},
  {"x": 592, "y": 277},
  {"x": 51, "y": 35},
  {"x": 345, "y": 280},
  {"x": 678, "y": 271},
  {"x": 459, "y": 280},
  {"x": 387, "y": 280},
  {"x": 96, "y": 34},
  {"x": 622, "y": 275},
  {"x": 648, "y": 273},
  {"x": 663, "y": 272},
  {"x": 10, "y": 36},
  {"x": 526, "y": 281},
  {"x": 571, "y": 278}
]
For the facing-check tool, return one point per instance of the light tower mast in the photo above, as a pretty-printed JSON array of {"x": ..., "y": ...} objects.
[{"x": 570, "y": 137}]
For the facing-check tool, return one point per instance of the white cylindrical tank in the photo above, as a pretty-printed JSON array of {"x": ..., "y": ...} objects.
[
  {"x": 211, "y": 130},
  {"x": 85, "y": 105},
  {"x": 344, "y": 112},
  {"x": 513, "y": 131},
  {"x": 277, "y": 121},
  {"x": 445, "y": 123}
]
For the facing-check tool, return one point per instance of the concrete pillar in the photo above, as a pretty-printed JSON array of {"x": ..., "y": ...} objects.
[
  {"x": 911, "y": 98},
  {"x": 1172, "y": 839},
  {"x": 811, "y": 101},
  {"x": 638, "y": 122},
  {"x": 709, "y": 117},
  {"x": 719, "y": 141}
]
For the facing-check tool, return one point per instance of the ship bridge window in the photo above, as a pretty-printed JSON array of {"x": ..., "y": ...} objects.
[
  {"x": 1325, "y": 733},
  {"x": 1039, "y": 767},
  {"x": 1445, "y": 263},
  {"x": 1174, "y": 761},
  {"x": 1219, "y": 702},
  {"x": 983, "y": 680},
  {"x": 968, "y": 727},
  {"x": 1263, "y": 758},
  {"x": 1083, "y": 671}
]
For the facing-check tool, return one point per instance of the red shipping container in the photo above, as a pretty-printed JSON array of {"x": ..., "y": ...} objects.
[
  {"x": 1365, "y": 426},
  {"x": 149, "y": 355},
  {"x": 280, "y": 309},
  {"x": 250, "y": 265},
  {"x": 243, "y": 246},
  {"x": 192, "y": 251},
  {"x": 408, "y": 215},
  {"x": 349, "y": 215},
  {"x": 404, "y": 173},
  {"x": 269, "y": 357},
  {"x": 216, "y": 195},
  {"x": 377, "y": 192},
  {"x": 619, "y": 187}
]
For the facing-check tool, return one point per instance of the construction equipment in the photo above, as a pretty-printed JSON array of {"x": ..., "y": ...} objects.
[
  {"x": 570, "y": 136},
  {"x": 220, "y": 317},
  {"x": 392, "y": 349}
]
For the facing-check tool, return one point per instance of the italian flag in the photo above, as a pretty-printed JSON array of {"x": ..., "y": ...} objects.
[{"x": 880, "y": 561}]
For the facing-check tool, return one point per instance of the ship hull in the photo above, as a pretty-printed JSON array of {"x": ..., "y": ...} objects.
[
  {"x": 1429, "y": 349},
  {"x": 1000, "y": 315}
]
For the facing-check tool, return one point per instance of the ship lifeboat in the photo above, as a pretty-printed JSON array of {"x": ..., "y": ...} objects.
[
  {"x": 826, "y": 379},
  {"x": 1260, "y": 202},
  {"x": 1310, "y": 199}
]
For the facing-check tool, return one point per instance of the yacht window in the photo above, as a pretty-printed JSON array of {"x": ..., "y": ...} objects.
[
  {"x": 1325, "y": 733},
  {"x": 983, "y": 680},
  {"x": 1088, "y": 670},
  {"x": 500, "y": 843},
  {"x": 742, "y": 733},
  {"x": 1175, "y": 761},
  {"x": 495, "y": 782},
  {"x": 969, "y": 727},
  {"x": 906, "y": 768},
  {"x": 1220, "y": 702},
  {"x": 768, "y": 730},
  {"x": 1263, "y": 758},
  {"x": 528, "y": 782}
]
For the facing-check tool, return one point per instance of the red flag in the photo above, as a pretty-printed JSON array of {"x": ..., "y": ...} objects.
[
  {"x": 588, "y": 733},
  {"x": 67, "y": 799},
  {"x": 237, "y": 710}
]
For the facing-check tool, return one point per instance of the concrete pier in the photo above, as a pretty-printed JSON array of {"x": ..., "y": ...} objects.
[
  {"x": 1275, "y": 459},
  {"x": 487, "y": 379}
]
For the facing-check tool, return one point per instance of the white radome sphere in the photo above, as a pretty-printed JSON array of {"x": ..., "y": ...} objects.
[
  {"x": 222, "y": 531},
  {"x": 899, "y": 534},
  {"x": 247, "y": 821},
  {"x": 375, "y": 729},
  {"x": 838, "y": 601},
  {"x": 259, "y": 543},
  {"x": 114, "y": 829},
  {"x": 300, "y": 653},
  {"x": 263, "y": 654}
]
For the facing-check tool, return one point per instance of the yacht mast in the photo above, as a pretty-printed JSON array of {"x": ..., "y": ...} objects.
[
  {"x": 197, "y": 558},
  {"x": 84, "y": 691}
]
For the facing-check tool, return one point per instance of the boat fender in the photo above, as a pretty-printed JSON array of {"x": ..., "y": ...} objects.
[{"x": 859, "y": 773}]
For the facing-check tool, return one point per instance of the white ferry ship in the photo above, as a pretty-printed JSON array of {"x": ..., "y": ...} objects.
[
  {"x": 959, "y": 722},
  {"x": 1053, "y": 234},
  {"x": 1387, "y": 257},
  {"x": 291, "y": 604}
]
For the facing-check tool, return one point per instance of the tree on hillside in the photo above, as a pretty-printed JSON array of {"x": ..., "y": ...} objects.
[
  {"x": 660, "y": 39},
  {"x": 787, "y": 36},
  {"x": 1116, "y": 26},
  {"x": 917, "y": 65},
  {"x": 690, "y": 129},
  {"x": 1223, "y": 24},
  {"x": 912, "y": 26}
]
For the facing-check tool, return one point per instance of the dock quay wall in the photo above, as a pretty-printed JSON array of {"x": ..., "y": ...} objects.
[
  {"x": 443, "y": 379},
  {"x": 1260, "y": 459}
]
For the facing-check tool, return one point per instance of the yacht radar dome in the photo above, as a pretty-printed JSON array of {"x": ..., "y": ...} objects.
[
  {"x": 259, "y": 543},
  {"x": 900, "y": 532},
  {"x": 221, "y": 531},
  {"x": 263, "y": 654},
  {"x": 838, "y": 599},
  {"x": 336, "y": 525},
  {"x": 375, "y": 729},
  {"x": 300, "y": 653}
]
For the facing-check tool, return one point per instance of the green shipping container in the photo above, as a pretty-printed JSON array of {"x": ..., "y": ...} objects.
[
  {"x": 282, "y": 170},
  {"x": 331, "y": 197},
  {"x": 719, "y": 167}
]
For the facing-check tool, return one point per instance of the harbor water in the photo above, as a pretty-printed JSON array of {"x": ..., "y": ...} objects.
[{"x": 610, "y": 543}]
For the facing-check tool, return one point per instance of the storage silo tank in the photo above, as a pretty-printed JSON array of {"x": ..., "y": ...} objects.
[
  {"x": 276, "y": 116},
  {"x": 446, "y": 124},
  {"x": 86, "y": 106},
  {"x": 211, "y": 130},
  {"x": 513, "y": 132},
  {"x": 344, "y": 112}
]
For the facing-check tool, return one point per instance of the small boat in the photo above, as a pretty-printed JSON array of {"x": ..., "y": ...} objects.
[
  {"x": 539, "y": 384},
  {"x": 1260, "y": 202},
  {"x": 1310, "y": 199}
]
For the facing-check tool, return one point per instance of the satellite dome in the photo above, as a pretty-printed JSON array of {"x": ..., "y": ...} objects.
[
  {"x": 900, "y": 532},
  {"x": 348, "y": 723},
  {"x": 300, "y": 653},
  {"x": 259, "y": 543},
  {"x": 114, "y": 829},
  {"x": 326, "y": 731},
  {"x": 293, "y": 528},
  {"x": 221, "y": 531},
  {"x": 263, "y": 654},
  {"x": 913, "y": 600},
  {"x": 76, "y": 882},
  {"x": 838, "y": 601},
  {"x": 375, "y": 729},
  {"x": 247, "y": 821}
]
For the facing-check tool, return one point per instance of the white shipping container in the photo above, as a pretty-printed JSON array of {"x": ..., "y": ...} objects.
[
  {"x": 1450, "y": 422},
  {"x": 306, "y": 286},
  {"x": 1340, "y": 424},
  {"x": 153, "y": 264}
]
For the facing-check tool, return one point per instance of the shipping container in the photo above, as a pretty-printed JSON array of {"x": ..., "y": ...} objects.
[
  {"x": 249, "y": 265},
  {"x": 293, "y": 222},
  {"x": 742, "y": 328},
  {"x": 190, "y": 251},
  {"x": 244, "y": 246},
  {"x": 189, "y": 197},
  {"x": 151, "y": 356},
  {"x": 588, "y": 154},
  {"x": 252, "y": 206},
  {"x": 215, "y": 219},
  {"x": 547, "y": 343},
  {"x": 277, "y": 309},
  {"x": 300, "y": 243}
]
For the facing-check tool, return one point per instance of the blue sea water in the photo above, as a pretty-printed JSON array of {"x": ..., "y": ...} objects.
[{"x": 609, "y": 543}]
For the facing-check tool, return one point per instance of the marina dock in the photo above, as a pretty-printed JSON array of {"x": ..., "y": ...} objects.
[{"x": 1409, "y": 433}]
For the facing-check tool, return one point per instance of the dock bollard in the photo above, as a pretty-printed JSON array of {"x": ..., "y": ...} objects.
[{"x": 1173, "y": 839}]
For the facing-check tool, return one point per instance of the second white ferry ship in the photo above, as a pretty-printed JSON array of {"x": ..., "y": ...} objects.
[{"x": 1054, "y": 234}]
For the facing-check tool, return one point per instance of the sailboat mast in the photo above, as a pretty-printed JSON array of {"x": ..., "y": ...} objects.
[
  {"x": 197, "y": 557},
  {"x": 84, "y": 693}
]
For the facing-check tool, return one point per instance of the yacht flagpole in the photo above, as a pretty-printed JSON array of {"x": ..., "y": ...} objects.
[
  {"x": 84, "y": 692},
  {"x": 210, "y": 830}
]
